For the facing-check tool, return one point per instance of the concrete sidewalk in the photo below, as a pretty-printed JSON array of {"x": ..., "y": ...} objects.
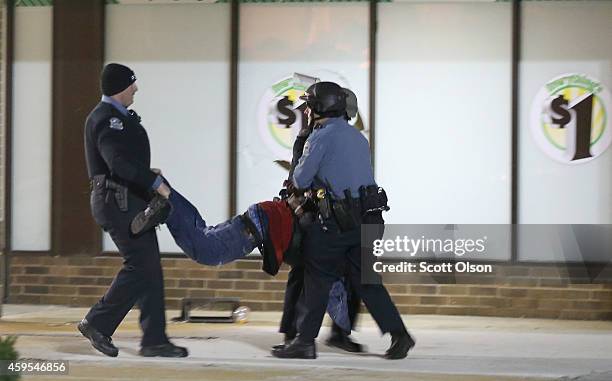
[{"x": 448, "y": 348}]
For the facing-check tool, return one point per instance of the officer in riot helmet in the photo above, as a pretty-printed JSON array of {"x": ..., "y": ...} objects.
[
  {"x": 336, "y": 165},
  {"x": 339, "y": 334}
]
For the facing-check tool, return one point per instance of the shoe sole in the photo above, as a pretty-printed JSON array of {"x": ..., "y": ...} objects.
[
  {"x": 160, "y": 355},
  {"x": 139, "y": 226},
  {"x": 297, "y": 358},
  {"x": 111, "y": 354},
  {"x": 283, "y": 356}
]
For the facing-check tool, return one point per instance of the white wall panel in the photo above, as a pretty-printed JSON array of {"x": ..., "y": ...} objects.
[
  {"x": 562, "y": 38},
  {"x": 443, "y": 133},
  {"x": 553, "y": 192},
  {"x": 329, "y": 41},
  {"x": 31, "y": 132},
  {"x": 180, "y": 54}
]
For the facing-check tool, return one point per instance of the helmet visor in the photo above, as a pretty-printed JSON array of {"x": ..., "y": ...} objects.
[
  {"x": 351, "y": 103},
  {"x": 302, "y": 99},
  {"x": 306, "y": 81}
]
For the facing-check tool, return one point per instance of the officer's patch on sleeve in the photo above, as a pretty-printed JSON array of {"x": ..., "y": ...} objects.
[{"x": 116, "y": 124}]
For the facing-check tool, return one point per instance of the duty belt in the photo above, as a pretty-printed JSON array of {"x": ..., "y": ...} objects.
[{"x": 349, "y": 212}]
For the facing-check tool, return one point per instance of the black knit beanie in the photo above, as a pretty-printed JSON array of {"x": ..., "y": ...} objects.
[{"x": 116, "y": 78}]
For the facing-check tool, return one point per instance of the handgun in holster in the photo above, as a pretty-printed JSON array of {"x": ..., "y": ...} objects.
[
  {"x": 120, "y": 192},
  {"x": 325, "y": 209}
]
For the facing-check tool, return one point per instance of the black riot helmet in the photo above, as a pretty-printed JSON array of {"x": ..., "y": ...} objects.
[{"x": 326, "y": 99}]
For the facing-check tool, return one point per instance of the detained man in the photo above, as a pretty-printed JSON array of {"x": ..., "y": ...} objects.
[{"x": 269, "y": 226}]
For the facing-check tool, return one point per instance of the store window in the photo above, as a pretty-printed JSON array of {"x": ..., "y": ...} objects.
[
  {"x": 180, "y": 54},
  {"x": 283, "y": 47},
  {"x": 31, "y": 129},
  {"x": 566, "y": 55},
  {"x": 443, "y": 111}
]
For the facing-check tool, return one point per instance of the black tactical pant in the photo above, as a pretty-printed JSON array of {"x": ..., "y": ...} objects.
[
  {"x": 328, "y": 255},
  {"x": 140, "y": 280},
  {"x": 293, "y": 291}
]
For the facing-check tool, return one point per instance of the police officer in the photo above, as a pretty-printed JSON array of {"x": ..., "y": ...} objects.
[
  {"x": 118, "y": 162},
  {"x": 337, "y": 157},
  {"x": 338, "y": 338}
]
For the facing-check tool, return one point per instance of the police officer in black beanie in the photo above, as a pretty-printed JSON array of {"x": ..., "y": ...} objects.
[{"x": 122, "y": 183}]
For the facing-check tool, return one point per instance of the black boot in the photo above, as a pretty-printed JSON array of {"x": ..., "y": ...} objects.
[
  {"x": 163, "y": 350},
  {"x": 156, "y": 213},
  {"x": 287, "y": 341},
  {"x": 297, "y": 349},
  {"x": 99, "y": 341},
  {"x": 401, "y": 343},
  {"x": 341, "y": 340}
]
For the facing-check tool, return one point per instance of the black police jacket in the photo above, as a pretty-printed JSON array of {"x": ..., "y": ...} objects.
[{"x": 118, "y": 146}]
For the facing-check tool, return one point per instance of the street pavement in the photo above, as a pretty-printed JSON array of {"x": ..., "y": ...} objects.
[{"x": 448, "y": 348}]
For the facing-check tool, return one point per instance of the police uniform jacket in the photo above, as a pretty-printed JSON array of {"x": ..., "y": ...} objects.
[
  {"x": 118, "y": 146},
  {"x": 335, "y": 156}
]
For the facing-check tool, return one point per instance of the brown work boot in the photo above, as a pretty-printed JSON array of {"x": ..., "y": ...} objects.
[{"x": 156, "y": 213}]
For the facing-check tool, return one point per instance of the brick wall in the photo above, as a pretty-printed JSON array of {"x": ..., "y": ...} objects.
[{"x": 513, "y": 291}]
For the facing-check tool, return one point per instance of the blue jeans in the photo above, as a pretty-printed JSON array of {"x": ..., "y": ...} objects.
[
  {"x": 207, "y": 245},
  {"x": 227, "y": 242}
]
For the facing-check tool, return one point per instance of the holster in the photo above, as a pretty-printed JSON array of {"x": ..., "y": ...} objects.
[
  {"x": 373, "y": 199},
  {"x": 121, "y": 194},
  {"x": 119, "y": 191},
  {"x": 347, "y": 212},
  {"x": 325, "y": 208}
]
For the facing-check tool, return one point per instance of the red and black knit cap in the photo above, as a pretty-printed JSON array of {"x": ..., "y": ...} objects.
[{"x": 116, "y": 78}]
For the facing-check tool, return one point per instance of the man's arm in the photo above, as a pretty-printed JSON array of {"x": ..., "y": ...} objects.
[
  {"x": 310, "y": 162},
  {"x": 298, "y": 150},
  {"x": 113, "y": 147}
]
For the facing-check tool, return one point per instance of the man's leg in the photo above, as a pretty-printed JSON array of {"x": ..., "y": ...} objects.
[
  {"x": 152, "y": 302},
  {"x": 381, "y": 307},
  {"x": 337, "y": 308},
  {"x": 139, "y": 278},
  {"x": 324, "y": 253},
  {"x": 340, "y": 336},
  {"x": 208, "y": 245},
  {"x": 293, "y": 290},
  {"x": 375, "y": 297},
  {"x": 130, "y": 283},
  {"x": 354, "y": 303}
]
